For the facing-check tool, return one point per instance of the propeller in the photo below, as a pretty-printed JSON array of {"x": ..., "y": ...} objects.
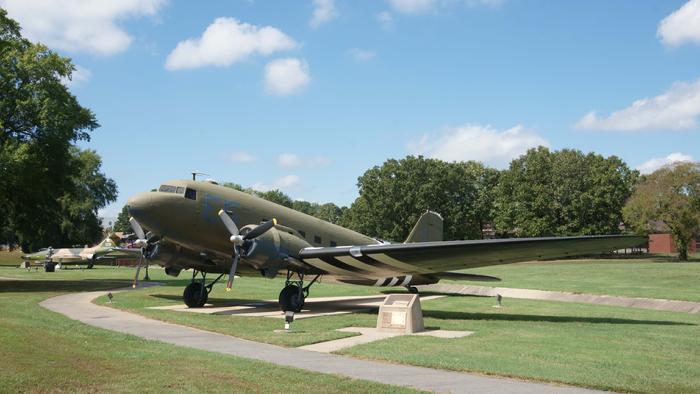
[
  {"x": 241, "y": 242},
  {"x": 145, "y": 245}
]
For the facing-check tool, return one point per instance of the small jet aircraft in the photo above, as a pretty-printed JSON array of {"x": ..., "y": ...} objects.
[
  {"x": 107, "y": 250},
  {"x": 208, "y": 228}
]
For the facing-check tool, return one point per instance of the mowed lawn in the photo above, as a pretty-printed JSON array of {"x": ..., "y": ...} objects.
[
  {"x": 46, "y": 352},
  {"x": 619, "y": 349},
  {"x": 648, "y": 277}
]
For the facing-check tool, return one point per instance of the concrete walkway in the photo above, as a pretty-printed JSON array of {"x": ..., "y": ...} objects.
[
  {"x": 78, "y": 306},
  {"x": 627, "y": 302}
]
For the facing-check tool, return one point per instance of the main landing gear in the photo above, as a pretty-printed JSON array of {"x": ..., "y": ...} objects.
[
  {"x": 197, "y": 292},
  {"x": 294, "y": 294}
]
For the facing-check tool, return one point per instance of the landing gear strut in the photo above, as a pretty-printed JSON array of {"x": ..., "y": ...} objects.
[
  {"x": 197, "y": 292},
  {"x": 294, "y": 294}
]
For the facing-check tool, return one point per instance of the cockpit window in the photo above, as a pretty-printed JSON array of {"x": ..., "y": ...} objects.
[
  {"x": 167, "y": 189},
  {"x": 180, "y": 190},
  {"x": 191, "y": 194}
]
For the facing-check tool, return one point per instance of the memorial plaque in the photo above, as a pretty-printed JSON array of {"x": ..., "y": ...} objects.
[{"x": 400, "y": 313}]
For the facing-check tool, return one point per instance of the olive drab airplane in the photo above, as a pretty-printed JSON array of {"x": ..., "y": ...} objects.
[
  {"x": 103, "y": 252},
  {"x": 208, "y": 228}
]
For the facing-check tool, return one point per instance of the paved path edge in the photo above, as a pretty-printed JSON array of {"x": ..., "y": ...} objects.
[{"x": 79, "y": 306}]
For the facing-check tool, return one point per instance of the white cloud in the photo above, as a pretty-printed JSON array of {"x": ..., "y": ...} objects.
[
  {"x": 657, "y": 162},
  {"x": 293, "y": 160},
  {"x": 677, "y": 108},
  {"x": 682, "y": 26},
  {"x": 242, "y": 157},
  {"x": 80, "y": 76},
  {"x": 412, "y": 6},
  {"x": 288, "y": 160},
  {"x": 361, "y": 55},
  {"x": 227, "y": 41},
  {"x": 386, "y": 20},
  {"x": 476, "y": 142},
  {"x": 424, "y": 6},
  {"x": 282, "y": 183},
  {"x": 79, "y": 25},
  {"x": 286, "y": 76},
  {"x": 324, "y": 11}
]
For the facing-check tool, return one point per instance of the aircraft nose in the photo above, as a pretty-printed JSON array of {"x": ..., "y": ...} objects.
[{"x": 138, "y": 204}]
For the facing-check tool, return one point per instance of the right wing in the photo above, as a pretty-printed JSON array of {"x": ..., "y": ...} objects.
[{"x": 384, "y": 260}]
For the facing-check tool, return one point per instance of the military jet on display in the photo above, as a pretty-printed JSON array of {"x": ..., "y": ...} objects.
[
  {"x": 105, "y": 251},
  {"x": 208, "y": 228}
]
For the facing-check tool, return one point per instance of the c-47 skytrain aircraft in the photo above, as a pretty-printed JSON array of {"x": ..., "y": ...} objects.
[{"x": 208, "y": 228}]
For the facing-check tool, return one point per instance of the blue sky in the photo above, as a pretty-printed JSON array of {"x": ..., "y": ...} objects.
[{"x": 307, "y": 95}]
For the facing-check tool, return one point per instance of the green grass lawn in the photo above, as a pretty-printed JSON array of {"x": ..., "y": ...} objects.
[
  {"x": 10, "y": 259},
  {"x": 611, "y": 348},
  {"x": 46, "y": 352},
  {"x": 650, "y": 277}
]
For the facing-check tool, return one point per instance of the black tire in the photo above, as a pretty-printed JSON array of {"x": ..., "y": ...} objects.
[
  {"x": 412, "y": 289},
  {"x": 290, "y": 299},
  {"x": 50, "y": 267},
  {"x": 195, "y": 296}
]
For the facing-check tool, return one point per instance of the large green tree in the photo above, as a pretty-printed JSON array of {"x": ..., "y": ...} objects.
[
  {"x": 395, "y": 194},
  {"x": 670, "y": 195},
  {"x": 566, "y": 192},
  {"x": 46, "y": 182}
]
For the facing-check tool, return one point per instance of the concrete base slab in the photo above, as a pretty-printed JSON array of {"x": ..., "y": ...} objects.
[
  {"x": 368, "y": 335},
  {"x": 313, "y": 307}
]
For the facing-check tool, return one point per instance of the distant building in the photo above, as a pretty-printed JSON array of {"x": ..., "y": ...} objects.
[{"x": 663, "y": 243}]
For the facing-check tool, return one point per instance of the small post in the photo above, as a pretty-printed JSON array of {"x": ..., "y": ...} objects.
[
  {"x": 499, "y": 298},
  {"x": 110, "y": 296},
  {"x": 288, "y": 319}
]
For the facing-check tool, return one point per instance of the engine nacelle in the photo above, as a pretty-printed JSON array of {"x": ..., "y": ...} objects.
[
  {"x": 269, "y": 251},
  {"x": 176, "y": 258}
]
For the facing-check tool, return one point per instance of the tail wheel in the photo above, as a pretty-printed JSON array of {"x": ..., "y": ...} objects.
[
  {"x": 291, "y": 299},
  {"x": 50, "y": 267},
  {"x": 195, "y": 295}
]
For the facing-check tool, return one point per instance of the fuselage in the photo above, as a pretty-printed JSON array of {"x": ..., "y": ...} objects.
[{"x": 185, "y": 213}]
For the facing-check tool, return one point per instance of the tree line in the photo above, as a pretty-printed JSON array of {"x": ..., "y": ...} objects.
[
  {"x": 50, "y": 189},
  {"x": 541, "y": 193}
]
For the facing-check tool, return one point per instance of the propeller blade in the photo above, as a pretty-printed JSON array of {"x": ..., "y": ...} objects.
[
  {"x": 260, "y": 229},
  {"x": 137, "y": 228},
  {"x": 228, "y": 222},
  {"x": 234, "y": 266},
  {"x": 138, "y": 269}
]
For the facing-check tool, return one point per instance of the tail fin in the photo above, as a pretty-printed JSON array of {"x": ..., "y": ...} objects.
[{"x": 427, "y": 229}]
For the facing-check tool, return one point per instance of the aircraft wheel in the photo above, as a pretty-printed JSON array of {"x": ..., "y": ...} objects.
[
  {"x": 412, "y": 289},
  {"x": 194, "y": 295},
  {"x": 290, "y": 299},
  {"x": 50, "y": 267}
]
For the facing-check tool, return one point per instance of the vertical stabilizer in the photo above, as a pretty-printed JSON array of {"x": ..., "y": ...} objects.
[{"x": 427, "y": 229}]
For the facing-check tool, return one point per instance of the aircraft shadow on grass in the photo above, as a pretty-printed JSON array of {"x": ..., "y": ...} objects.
[
  {"x": 33, "y": 285},
  {"x": 451, "y": 315}
]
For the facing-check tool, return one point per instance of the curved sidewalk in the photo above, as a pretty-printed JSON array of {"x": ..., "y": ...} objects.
[
  {"x": 78, "y": 306},
  {"x": 627, "y": 302}
]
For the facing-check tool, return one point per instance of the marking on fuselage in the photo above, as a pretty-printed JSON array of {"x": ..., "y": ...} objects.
[
  {"x": 366, "y": 267},
  {"x": 403, "y": 267},
  {"x": 318, "y": 263}
]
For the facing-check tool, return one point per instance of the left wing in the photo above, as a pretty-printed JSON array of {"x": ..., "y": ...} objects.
[{"x": 430, "y": 257}]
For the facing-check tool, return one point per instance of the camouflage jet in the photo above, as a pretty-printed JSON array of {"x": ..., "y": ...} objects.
[
  {"x": 208, "y": 228},
  {"x": 104, "y": 251}
]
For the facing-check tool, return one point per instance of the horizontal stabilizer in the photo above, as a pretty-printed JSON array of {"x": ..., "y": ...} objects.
[{"x": 461, "y": 276}]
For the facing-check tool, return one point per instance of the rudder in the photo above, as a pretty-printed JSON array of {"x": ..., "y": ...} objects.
[{"x": 428, "y": 228}]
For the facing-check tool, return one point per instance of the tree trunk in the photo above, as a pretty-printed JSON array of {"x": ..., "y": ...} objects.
[{"x": 682, "y": 246}]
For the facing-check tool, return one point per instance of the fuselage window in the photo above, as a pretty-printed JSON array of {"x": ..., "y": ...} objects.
[
  {"x": 191, "y": 194},
  {"x": 317, "y": 239},
  {"x": 167, "y": 189},
  {"x": 333, "y": 244}
]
